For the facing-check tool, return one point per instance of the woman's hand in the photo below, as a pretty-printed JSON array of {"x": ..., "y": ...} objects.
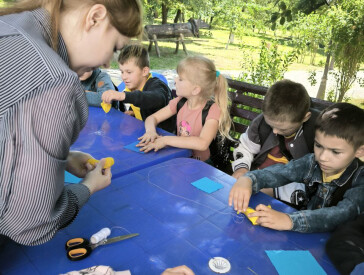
[
  {"x": 99, "y": 178},
  {"x": 77, "y": 163}
]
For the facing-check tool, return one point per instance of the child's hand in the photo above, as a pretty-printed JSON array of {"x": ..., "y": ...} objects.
[
  {"x": 240, "y": 193},
  {"x": 240, "y": 172},
  {"x": 129, "y": 113},
  {"x": 158, "y": 144},
  {"x": 149, "y": 136},
  {"x": 270, "y": 218},
  {"x": 111, "y": 95},
  {"x": 179, "y": 270}
]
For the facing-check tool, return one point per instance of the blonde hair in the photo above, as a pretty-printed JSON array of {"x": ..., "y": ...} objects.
[
  {"x": 124, "y": 15},
  {"x": 202, "y": 72}
]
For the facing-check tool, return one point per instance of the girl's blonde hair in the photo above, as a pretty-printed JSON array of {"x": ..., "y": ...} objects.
[
  {"x": 201, "y": 71},
  {"x": 124, "y": 15}
]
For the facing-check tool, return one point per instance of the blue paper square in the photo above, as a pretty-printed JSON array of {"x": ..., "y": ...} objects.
[
  {"x": 296, "y": 262},
  {"x": 132, "y": 147},
  {"x": 207, "y": 185},
  {"x": 71, "y": 178}
]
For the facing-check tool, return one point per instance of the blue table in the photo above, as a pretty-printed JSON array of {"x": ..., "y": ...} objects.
[
  {"x": 178, "y": 224},
  {"x": 105, "y": 135}
]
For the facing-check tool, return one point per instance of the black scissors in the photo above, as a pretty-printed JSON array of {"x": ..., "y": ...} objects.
[{"x": 80, "y": 248}]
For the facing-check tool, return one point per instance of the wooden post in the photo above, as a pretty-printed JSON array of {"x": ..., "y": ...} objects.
[
  {"x": 156, "y": 45},
  {"x": 150, "y": 45},
  {"x": 177, "y": 45},
  {"x": 183, "y": 44}
]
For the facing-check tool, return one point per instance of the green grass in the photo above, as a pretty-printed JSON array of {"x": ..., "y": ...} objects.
[
  {"x": 213, "y": 47},
  {"x": 357, "y": 101}
]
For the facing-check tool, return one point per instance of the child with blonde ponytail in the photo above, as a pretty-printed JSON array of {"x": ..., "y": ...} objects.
[{"x": 199, "y": 86}]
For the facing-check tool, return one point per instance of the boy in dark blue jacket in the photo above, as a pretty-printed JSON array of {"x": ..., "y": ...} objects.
[{"x": 333, "y": 176}]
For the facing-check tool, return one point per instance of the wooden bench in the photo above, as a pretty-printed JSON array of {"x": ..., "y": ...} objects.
[{"x": 246, "y": 103}]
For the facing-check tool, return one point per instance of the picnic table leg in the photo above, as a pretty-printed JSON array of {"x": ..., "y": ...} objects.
[
  {"x": 156, "y": 45},
  {"x": 183, "y": 44},
  {"x": 177, "y": 46},
  {"x": 150, "y": 45}
]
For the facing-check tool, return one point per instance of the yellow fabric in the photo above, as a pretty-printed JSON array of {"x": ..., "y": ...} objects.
[
  {"x": 252, "y": 219},
  {"x": 108, "y": 163},
  {"x": 291, "y": 136},
  {"x": 106, "y": 107},
  {"x": 135, "y": 109},
  {"x": 331, "y": 178},
  {"x": 283, "y": 159}
]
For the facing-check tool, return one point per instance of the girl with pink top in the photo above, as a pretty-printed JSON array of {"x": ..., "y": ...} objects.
[{"x": 198, "y": 82}]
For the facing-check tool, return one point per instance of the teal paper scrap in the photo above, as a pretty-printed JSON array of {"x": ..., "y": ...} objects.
[
  {"x": 69, "y": 178},
  {"x": 207, "y": 185},
  {"x": 132, "y": 147},
  {"x": 298, "y": 262}
]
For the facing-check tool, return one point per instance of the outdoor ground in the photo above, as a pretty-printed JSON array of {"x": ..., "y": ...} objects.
[
  {"x": 229, "y": 61},
  {"x": 356, "y": 93}
]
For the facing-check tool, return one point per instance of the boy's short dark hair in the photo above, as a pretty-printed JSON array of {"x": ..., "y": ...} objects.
[
  {"x": 286, "y": 100},
  {"x": 343, "y": 120},
  {"x": 134, "y": 51}
]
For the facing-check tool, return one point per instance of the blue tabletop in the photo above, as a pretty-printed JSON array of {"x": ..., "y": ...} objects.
[
  {"x": 178, "y": 224},
  {"x": 105, "y": 135}
]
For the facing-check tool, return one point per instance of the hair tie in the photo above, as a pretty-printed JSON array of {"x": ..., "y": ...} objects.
[{"x": 217, "y": 73}]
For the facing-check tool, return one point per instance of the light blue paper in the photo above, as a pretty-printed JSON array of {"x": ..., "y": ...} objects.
[
  {"x": 132, "y": 147},
  {"x": 207, "y": 185},
  {"x": 297, "y": 262},
  {"x": 71, "y": 178}
]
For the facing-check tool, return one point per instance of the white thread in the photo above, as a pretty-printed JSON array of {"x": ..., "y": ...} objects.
[
  {"x": 105, "y": 232},
  {"x": 238, "y": 218},
  {"x": 101, "y": 235}
]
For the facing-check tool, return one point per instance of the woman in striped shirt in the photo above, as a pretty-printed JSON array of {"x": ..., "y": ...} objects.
[{"x": 44, "y": 46}]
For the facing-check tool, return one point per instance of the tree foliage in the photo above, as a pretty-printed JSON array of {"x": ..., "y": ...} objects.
[
  {"x": 270, "y": 67},
  {"x": 347, "y": 24}
]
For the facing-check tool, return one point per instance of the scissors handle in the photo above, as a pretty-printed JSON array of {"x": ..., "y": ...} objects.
[
  {"x": 79, "y": 253},
  {"x": 76, "y": 242},
  {"x": 78, "y": 248}
]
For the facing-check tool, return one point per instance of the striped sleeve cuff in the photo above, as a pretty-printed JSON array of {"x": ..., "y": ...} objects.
[
  {"x": 81, "y": 191},
  {"x": 240, "y": 165}
]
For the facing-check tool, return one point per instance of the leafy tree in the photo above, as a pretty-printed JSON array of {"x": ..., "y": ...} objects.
[
  {"x": 347, "y": 24},
  {"x": 310, "y": 32},
  {"x": 271, "y": 66},
  {"x": 284, "y": 14},
  {"x": 309, "y": 6}
]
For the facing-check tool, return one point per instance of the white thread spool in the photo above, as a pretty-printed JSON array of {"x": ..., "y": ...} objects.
[{"x": 101, "y": 235}]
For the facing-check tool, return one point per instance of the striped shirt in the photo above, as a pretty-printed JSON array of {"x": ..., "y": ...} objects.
[{"x": 42, "y": 110}]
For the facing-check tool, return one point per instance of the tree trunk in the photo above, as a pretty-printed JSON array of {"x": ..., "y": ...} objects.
[
  {"x": 229, "y": 40},
  {"x": 183, "y": 17},
  {"x": 331, "y": 67},
  {"x": 211, "y": 18},
  {"x": 322, "y": 88},
  {"x": 164, "y": 13},
  {"x": 178, "y": 16}
]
